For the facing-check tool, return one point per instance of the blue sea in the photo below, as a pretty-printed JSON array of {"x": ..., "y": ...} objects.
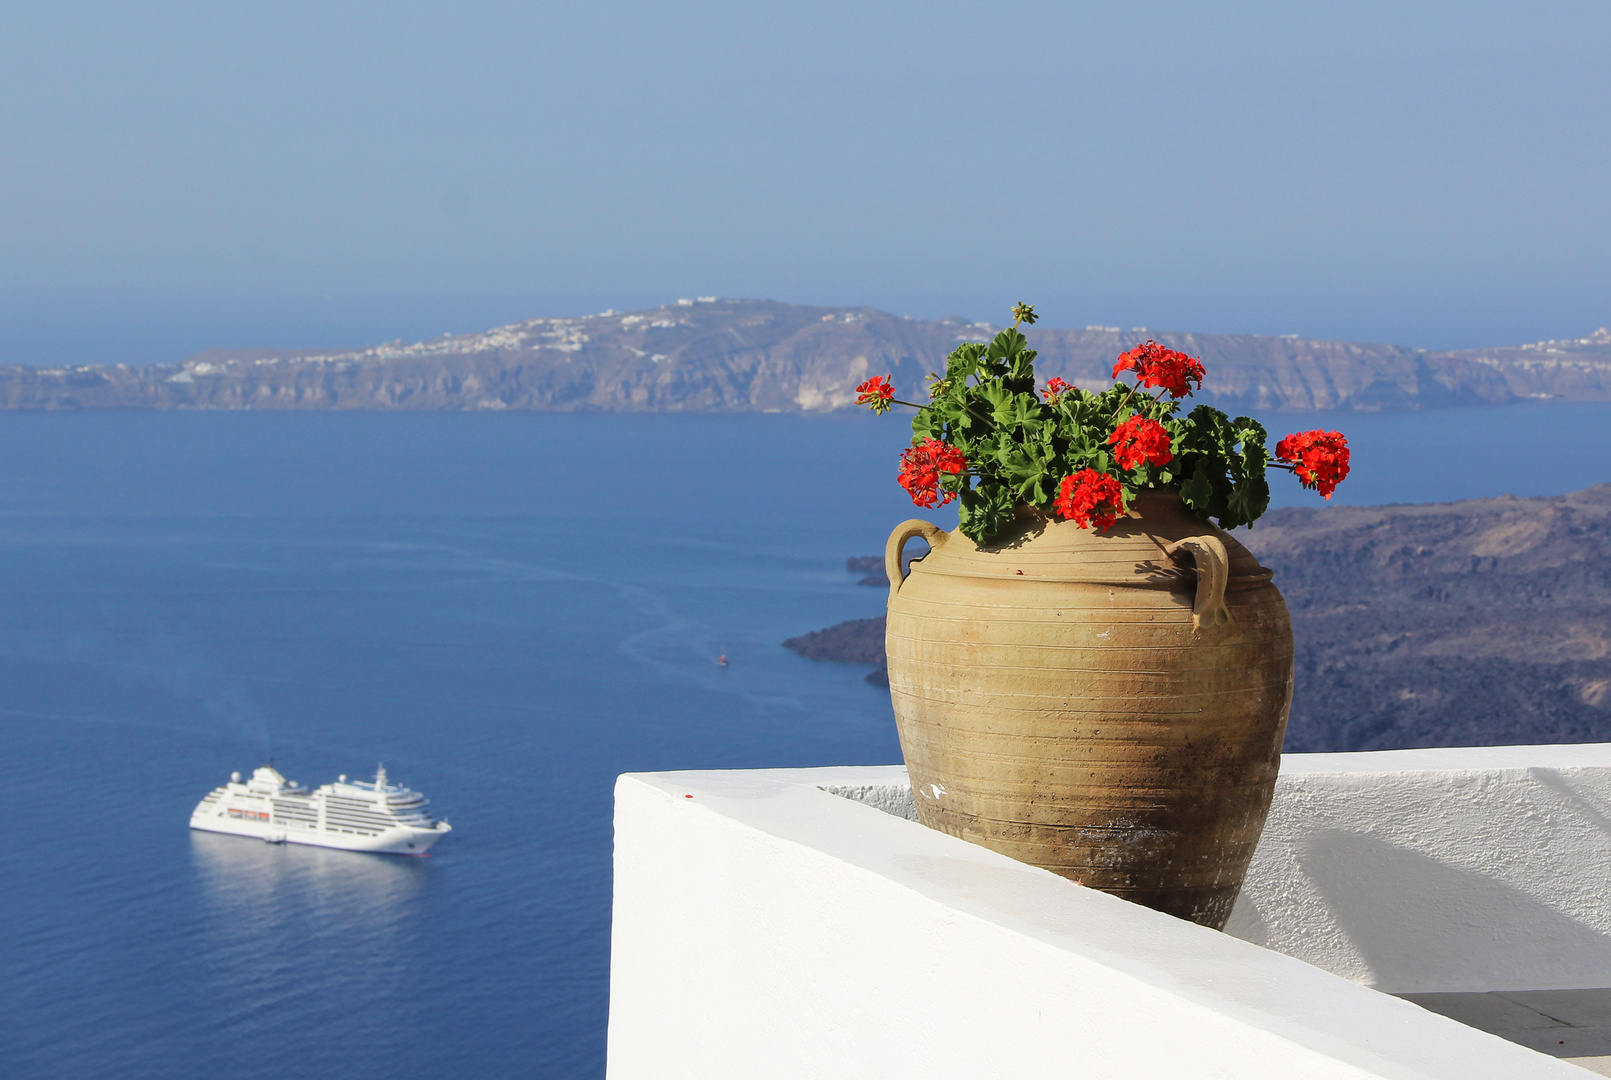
[{"x": 508, "y": 611}]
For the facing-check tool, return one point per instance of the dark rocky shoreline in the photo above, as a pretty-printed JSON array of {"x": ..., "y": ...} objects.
[{"x": 1476, "y": 623}]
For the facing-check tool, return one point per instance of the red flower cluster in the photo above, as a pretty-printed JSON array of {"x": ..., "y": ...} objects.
[
  {"x": 1089, "y": 498},
  {"x": 1156, "y": 365},
  {"x": 876, "y": 393},
  {"x": 921, "y": 467},
  {"x": 1139, "y": 439},
  {"x": 1320, "y": 458},
  {"x": 1055, "y": 388}
]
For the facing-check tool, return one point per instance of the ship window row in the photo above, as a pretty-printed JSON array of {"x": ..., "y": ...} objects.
[{"x": 358, "y": 822}]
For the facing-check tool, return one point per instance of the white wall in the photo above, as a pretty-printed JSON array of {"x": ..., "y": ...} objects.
[
  {"x": 1440, "y": 870},
  {"x": 767, "y": 928},
  {"x": 1468, "y": 869}
]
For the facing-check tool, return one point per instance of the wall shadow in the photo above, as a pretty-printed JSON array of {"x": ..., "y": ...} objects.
[{"x": 1419, "y": 924}]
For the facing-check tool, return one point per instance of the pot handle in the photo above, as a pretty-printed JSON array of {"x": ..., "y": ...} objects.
[
  {"x": 1213, "y": 573},
  {"x": 897, "y": 540}
]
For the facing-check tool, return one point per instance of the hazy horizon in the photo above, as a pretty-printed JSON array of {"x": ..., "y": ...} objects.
[
  {"x": 308, "y": 341},
  {"x": 187, "y": 176}
]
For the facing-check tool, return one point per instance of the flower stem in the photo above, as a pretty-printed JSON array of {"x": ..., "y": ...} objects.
[
  {"x": 1126, "y": 400},
  {"x": 968, "y": 408}
]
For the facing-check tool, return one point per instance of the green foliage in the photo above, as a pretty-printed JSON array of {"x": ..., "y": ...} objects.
[
  {"x": 1019, "y": 447},
  {"x": 1222, "y": 462},
  {"x": 985, "y": 508}
]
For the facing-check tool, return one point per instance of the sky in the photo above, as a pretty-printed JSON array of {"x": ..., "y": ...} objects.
[{"x": 175, "y": 177}]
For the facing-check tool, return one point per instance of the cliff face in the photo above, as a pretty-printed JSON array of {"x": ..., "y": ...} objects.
[
  {"x": 1458, "y": 624},
  {"x": 752, "y": 355}
]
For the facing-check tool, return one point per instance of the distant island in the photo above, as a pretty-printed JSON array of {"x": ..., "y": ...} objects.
[
  {"x": 711, "y": 355},
  {"x": 1476, "y": 623}
]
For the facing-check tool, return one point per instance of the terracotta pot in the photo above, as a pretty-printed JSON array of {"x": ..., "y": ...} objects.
[{"x": 1109, "y": 706}]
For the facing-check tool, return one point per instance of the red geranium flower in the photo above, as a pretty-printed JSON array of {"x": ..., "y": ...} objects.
[
  {"x": 1090, "y": 499},
  {"x": 876, "y": 393},
  {"x": 921, "y": 467},
  {"x": 1320, "y": 458},
  {"x": 1139, "y": 439},
  {"x": 1055, "y": 388},
  {"x": 1156, "y": 365}
]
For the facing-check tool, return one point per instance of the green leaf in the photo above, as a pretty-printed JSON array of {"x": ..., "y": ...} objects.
[
  {"x": 1198, "y": 491},
  {"x": 995, "y": 396},
  {"x": 1020, "y": 412},
  {"x": 1247, "y": 501},
  {"x": 928, "y": 424},
  {"x": 1020, "y": 468},
  {"x": 1007, "y": 344},
  {"x": 985, "y": 510}
]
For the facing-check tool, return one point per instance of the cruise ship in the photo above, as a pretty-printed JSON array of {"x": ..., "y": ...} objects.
[{"x": 353, "y": 815}]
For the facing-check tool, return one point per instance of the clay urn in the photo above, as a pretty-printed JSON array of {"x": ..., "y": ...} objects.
[{"x": 1107, "y": 704}]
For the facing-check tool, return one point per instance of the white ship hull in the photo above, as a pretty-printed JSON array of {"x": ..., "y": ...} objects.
[
  {"x": 392, "y": 841},
  {"x": 351, "y": 817}
]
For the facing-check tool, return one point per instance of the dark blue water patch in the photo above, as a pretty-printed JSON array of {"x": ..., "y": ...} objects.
[{"x": 508, "y": 611}]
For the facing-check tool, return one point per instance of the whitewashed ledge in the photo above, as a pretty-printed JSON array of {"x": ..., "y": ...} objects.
[{"x": 765, "y": 926}]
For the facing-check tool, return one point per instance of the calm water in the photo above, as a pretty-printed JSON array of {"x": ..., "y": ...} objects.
[{"x": 507, "y": 610}]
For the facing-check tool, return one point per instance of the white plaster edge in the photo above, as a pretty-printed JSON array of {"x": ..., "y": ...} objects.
[
  {"x": 1452, "y": 759},
  {"x": 1269, "y": 995}
]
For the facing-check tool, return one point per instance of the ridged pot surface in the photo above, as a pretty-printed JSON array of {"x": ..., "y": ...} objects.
[{"x": 1109, "y": 706}]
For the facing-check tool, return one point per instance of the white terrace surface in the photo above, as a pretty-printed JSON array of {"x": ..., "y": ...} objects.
[{"x": 768, "y": 927}]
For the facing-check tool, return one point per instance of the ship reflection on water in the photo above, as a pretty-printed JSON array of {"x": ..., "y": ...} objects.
[{"x": 269, "y": 907}]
